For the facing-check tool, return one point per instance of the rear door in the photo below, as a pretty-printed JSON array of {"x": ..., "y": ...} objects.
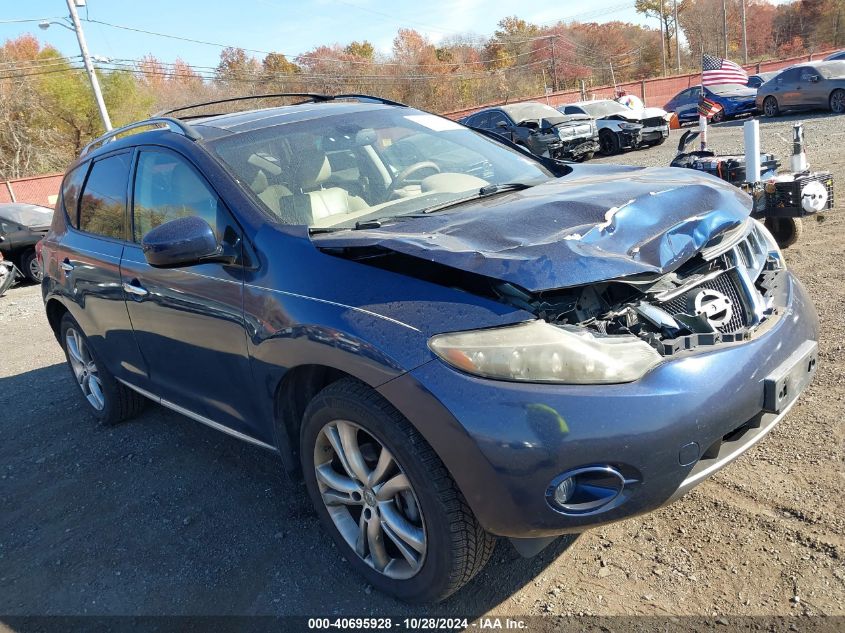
[
  {"x": 189, "y": 321},
  {"x": 687, "y": 107},
  {"x": 94, "y": 199},
  {"x": 786, "y": 88}
]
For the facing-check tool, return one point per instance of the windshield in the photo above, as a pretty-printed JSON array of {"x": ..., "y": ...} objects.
[
  {"x": 26, "y": 214},
  {"x": 603, "y": 108},
  {"x": 530, "y": 111},
  {"x": 338, "y": 171}
]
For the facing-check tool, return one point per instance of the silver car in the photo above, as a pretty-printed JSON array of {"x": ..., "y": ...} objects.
[{"x": 816, "y": 85}]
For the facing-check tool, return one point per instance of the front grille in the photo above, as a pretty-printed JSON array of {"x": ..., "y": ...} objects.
[
  {"x": 724, "y": 284},
  {"x": 654, "y": 121}
]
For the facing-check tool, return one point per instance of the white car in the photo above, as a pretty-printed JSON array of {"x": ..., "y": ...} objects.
[{"x": 621, "y": 127}]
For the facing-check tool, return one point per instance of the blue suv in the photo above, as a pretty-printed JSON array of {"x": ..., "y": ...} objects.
[{"x": 449, "y": 339}]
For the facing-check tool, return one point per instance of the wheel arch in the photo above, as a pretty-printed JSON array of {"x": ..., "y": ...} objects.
[
  {"x": 296, "y": 389},
  {"x": 55, "y": 311}
]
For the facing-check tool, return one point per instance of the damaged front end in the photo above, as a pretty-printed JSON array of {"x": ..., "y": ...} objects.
[{"x": 731, "y": 288}]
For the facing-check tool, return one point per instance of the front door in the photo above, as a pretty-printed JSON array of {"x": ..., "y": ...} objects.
[{"x": 188, "y": 321}]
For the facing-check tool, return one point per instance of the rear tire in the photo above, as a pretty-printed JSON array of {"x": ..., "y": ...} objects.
[
  {"x": 786, "y": 231},
  {"x": 30, "y": 267},
  {"x": 718, "y": 117},
  {"x": 609, "y": 142},
  {"x": 770, "y": 107},
  {"x": 837, "y": 101},
  {"x": 108, "y": 400},
  {"x": 450, "y": 545}
]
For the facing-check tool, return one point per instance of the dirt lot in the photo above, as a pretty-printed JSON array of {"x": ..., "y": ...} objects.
[{"x": 164, "y": 516}]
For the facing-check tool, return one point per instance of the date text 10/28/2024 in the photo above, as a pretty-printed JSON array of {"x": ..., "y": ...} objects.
[{"x": 417, "y": 624}]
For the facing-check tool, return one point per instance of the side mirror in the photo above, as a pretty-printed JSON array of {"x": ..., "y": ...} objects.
[
  {"x": 182, "y": 242},
  {"x": 502, "y": 125},
  {"x": 814, "y": 78}
]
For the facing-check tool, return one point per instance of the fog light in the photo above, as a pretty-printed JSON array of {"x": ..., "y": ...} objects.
[
  {"x": 587, "y": 489},
  {"x": 564, "y": 490}
]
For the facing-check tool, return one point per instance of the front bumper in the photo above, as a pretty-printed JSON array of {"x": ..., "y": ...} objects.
[
  {"x": 575, "y": 148},
  {"x": 505, "y": 442},
  {"x": 652, "y": 134}
]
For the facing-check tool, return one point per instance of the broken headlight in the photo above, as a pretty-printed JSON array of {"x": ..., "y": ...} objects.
[{"x": 540, "y": 352}]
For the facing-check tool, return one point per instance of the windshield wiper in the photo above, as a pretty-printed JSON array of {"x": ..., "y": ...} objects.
[{"x": 485, "y": 192}]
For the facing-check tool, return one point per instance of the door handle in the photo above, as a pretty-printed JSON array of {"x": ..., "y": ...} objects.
[
  {"x": 66, "y": 265},
  {"x": 134, "y": 289}
]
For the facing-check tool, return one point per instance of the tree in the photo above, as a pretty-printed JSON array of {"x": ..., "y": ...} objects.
[
  {"x": 663, "y": 11},
  {"x": 236, "y": 67},
  {"x": 361, "y": 50}
]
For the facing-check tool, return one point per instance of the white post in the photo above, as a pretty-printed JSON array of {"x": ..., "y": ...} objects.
[
  {"x": 89, "y": 67},
  {"x": 702, "y": 130},
  {"x": 751, "y": 137}
]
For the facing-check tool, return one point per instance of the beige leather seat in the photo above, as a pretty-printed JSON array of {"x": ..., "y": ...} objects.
[
  {"x": 310, "y": 169},
  {"x": 270, "y": 195}
]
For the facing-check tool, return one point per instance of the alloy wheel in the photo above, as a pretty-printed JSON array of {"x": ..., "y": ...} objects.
[
  {"x": 84, "y": 369},
  {"x": 837, "y": 102},
  {"x": 770, "y": 107},
  {"x": 370, "y": 499},
  {"x": 35, "y": 269}
]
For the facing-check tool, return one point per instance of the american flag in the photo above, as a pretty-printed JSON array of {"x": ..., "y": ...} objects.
[
  {"x": 715, "y": 71},
  {"x": 708, "y": 108}
]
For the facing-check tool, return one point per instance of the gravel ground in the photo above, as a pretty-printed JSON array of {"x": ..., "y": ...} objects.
[{"x": 164, "y": 516}]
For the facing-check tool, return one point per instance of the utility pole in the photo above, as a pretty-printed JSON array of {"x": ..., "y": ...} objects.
[
  {"x": 744, "y": 34},
  {"x": 725, "y": 25},
  {"x": 554, "y": 64},
  {"x": 677, "y": 39},
  {"x": 89, "y": 67},
  {"x": 662, "y": 38}
]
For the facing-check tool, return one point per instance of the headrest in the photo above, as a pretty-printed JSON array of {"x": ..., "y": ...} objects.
[
  {"x": 259, "y": 183},
  {"x": 311, "y": 168}
]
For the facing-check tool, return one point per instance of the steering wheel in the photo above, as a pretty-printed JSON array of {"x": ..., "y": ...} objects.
[{"x": 401, "y": 178}]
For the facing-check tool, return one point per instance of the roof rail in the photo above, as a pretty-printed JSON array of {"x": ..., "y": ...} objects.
[
  {"x": 174, "y": 125},
  {"x": 309, "y": 97}
]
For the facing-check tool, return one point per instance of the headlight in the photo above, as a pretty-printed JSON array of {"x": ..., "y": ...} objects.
[
  {"x": 630, "y": 126},
  {"x": 537, "y": 351}
]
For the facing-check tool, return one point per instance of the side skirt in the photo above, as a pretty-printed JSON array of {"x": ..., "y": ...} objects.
[{"x": 199, "y": 418}]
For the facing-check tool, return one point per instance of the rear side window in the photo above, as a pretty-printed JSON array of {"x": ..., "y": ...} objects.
[
  {"x": 102, "y": 207},
  {"x": 167, "y": 188},
  {"x": 71, "y": 188}
]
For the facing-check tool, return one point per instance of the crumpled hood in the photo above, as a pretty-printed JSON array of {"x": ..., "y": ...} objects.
[
  {"x": 643, "y": 113},
  {"x": 597, "y": 223}
]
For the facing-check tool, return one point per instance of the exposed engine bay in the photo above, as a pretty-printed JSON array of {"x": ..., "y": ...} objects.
[{"x": 729, "y": 289}]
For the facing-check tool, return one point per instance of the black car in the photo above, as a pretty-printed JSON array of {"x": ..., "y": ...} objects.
[
  {"x": 21, "y": 227},
  {"x": 481, "y": 344},
  {"x": 541, "y": 129}
]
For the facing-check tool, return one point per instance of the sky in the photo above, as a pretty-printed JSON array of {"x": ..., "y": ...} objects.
[{"x": 285, "y": 26}]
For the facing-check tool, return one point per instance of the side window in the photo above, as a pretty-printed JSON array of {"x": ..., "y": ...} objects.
[
  {"x": 806, "y": 73},
  {"x": 481, "y": 120},
  {"x": 71, "y": 187},
  {"x": 495, "y": 119},
  {"x": 102, "y": 207},
  {"x": 166, "y": 188}
]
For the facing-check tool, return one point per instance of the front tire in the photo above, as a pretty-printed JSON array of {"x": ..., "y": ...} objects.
[
  {"x": 609, "y": 142},
  {"x": 386, "y": 498},
  {"x": 786, "y": 231},
  {"x": 770, "y": 107},
  {"x": 837, "y": 101},
  {"x": 108, "y": 400}
]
